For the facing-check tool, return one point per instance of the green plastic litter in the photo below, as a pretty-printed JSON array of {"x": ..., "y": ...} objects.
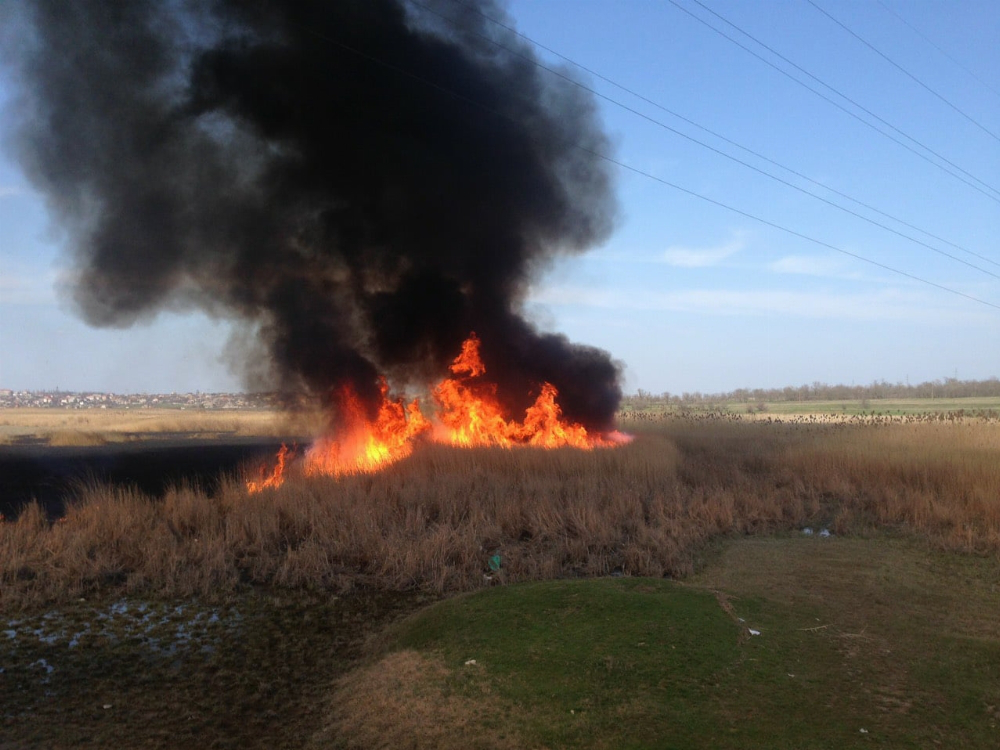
[{"x": 495, "y": 562}]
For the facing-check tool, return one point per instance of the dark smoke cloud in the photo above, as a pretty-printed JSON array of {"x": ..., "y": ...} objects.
[{"x": 360, "y": 180}]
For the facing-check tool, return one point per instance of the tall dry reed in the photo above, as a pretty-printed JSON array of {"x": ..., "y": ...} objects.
[{"x": 435, "y": 520}]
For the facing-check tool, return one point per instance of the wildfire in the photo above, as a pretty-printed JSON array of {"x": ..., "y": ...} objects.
[
  {"x": 363, "y": 445},
  {"x": 277, "y": 474},
  {"x": 467, "y": 414}
]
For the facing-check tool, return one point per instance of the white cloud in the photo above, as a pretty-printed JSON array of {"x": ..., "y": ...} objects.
[
  {"x": 701, "y": 257},
  {"x": 808, "y": 265},
  {"x": 884, "y": 304}
]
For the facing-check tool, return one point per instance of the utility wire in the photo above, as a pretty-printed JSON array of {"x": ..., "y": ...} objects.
[
  {"x": 927, "y": 39},
  {"x": 787, "y": 230},
  {"x": 661, "y": 124},
  {"x": 836, "y": 104},
  {"x": 899, "y": 67},
  {"x": 479, "y": 105},
  {"x": 687, "y": 120}
]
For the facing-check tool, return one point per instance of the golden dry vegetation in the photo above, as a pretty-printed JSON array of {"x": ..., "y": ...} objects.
[
  {"x": 434, "y": 520},
  {"x": 81, "y": 427}
]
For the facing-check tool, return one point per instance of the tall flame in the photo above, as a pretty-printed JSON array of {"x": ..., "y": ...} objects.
[
  {"x": 468, "y": 414},
  {"x": 277, "y": 476},
  {"x": 363, "y": 445}
]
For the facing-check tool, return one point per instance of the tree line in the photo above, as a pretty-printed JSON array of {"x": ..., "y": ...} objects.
[{"x": 932, "y": 389}]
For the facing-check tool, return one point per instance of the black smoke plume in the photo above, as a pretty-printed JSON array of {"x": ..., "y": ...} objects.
[{"x": 362, "y": 181}]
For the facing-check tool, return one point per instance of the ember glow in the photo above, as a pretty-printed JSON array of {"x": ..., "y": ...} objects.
[{"x": 467, "y": 413}]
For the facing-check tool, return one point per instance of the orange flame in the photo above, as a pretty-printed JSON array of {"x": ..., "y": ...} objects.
[
  {"x": 471, "y": 415},
  {"x": 468, "y": 414},
  {"x": 277, "y": 477},
  {"x": 362, "y": 445}
]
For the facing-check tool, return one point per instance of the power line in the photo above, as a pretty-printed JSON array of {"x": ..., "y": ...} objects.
[
  {"x": 927, "y": 39},
  {"x": 792, "y": 232},
  {"x": 663, "y": 125},
  {"x": 461, "y": 97},
  {"x": 899, "y": 67},
  {"x": 837, "y": 104},
  {"x": 661, "y": 107}
]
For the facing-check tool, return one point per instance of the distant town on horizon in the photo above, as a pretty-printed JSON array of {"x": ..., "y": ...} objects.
[{"x": 950, "y": 388}]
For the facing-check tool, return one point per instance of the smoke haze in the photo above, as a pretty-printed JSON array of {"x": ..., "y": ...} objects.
[{"x": 359, "y": 181}]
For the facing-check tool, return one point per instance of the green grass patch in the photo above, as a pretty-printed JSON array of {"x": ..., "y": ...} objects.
[
  {"x": 860, "y": 642},
  {"x": 580, "y": 660}
]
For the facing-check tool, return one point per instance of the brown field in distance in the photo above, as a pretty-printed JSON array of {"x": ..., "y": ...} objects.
[
  {"x": 58, "y": 426},
  {"x": 94, "y": 426}
]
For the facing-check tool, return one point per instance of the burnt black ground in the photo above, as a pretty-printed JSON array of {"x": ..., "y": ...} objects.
[{"x": 51, "y": 475}]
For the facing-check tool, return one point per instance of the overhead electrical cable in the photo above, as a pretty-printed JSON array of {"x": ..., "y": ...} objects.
[
  {"x": 604, "y": 157},
  {"x": 995, "y": 192},
  {"x": 732, "y": 158},
  {"x": 785, "y": 229},
  {"x": 711, "y": 132},
  {"x": 903, "y": 70},
  {"x": 927, "y": 39},
  {"x": 661, "y": 107}
]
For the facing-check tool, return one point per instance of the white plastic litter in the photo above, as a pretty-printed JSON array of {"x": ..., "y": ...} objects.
[
  {"x": 470, "y": 662},
  {"x": 807, "y": 531},
  {"x": 754, "y": 632},
  {"x": 825, "y": 532}
]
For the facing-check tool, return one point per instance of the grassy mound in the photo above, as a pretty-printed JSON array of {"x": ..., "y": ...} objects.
[{"x": 780, "y": 643}]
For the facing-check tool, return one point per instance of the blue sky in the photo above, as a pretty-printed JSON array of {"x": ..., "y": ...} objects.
[{"x": 688, "y": 295}]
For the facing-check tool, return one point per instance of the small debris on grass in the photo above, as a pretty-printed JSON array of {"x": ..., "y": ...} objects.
[
  {"x": 825, "y": 533},
  {"x": 864, "y": 731},
  {"x": 754, "y": 632},
  {"x": 107, "y": 706},
  {"x": 470, "y": 662},
  {"x": 807, "y": 531}
]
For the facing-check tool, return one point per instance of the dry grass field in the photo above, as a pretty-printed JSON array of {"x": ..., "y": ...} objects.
[
  {"x": 209, "y": 616},
  {"x": 83, "y": 427},
  {"x": 434, "y": 520}
]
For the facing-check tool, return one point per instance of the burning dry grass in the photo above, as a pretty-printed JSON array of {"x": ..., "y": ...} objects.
[{"x": 434, "y": 520}]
